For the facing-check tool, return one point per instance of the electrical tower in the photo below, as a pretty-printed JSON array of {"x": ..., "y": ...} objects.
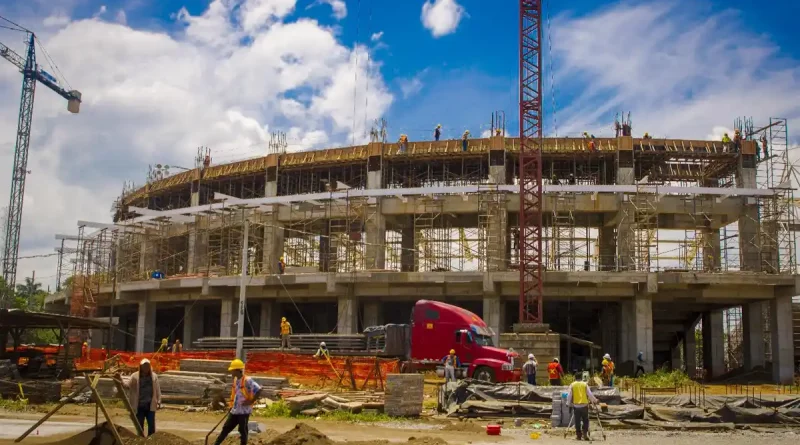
[
  {"x": 31, "y": 74},
  {"x": 530, "y": 162}
]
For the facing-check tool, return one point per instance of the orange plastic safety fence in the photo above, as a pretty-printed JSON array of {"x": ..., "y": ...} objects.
[
  {"x": 160, "y": 362},
  {"x": 308, "y": 370}
]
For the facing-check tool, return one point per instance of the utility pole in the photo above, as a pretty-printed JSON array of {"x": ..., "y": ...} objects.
[{"x": 242, "y": 291}]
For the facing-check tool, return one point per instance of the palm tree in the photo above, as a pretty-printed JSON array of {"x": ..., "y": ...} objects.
[{"x": 28, "y": 291}]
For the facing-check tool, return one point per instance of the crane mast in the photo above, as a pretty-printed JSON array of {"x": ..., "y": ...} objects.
[
  {"x": 530, "y": 162},
  {"x": 31, "y": 74}
]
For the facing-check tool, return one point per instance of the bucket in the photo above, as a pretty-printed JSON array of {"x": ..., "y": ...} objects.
[{"x": 493, "y": 430}]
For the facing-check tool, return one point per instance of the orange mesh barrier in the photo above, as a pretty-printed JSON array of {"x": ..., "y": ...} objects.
[
  {"x": 308, "y": 370},
  {"x": 160, "y": 362}
]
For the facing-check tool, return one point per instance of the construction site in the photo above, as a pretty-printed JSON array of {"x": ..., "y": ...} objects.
[{"x": 644, "y": 242}]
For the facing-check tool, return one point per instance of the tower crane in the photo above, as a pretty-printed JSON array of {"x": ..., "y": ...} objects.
[{"x": 31, "y": 74}]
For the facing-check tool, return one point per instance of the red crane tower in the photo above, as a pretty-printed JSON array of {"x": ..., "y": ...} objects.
[{"x": 530, "y": 162}]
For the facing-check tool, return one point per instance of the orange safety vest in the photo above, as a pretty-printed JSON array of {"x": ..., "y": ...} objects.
[
  {"x": 608, "y": 367},
  {"x": 552, "y": 370},
  {"x": 247, "y": 395},
  {"x": 285, "y": 327}
]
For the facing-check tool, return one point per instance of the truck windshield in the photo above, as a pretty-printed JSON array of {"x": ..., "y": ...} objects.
[{"x": 483, "y": 340}]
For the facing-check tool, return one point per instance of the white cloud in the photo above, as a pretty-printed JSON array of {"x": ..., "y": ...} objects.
[
  {"x": 681, "y": 74},
  {"x": 56, "y": 20},
  {"x": 441, "y": 17},
  {"x": 339, "y": 8},
  {"x": 154, "y": 97},
  {"x": 100, "y": 11},
  {"x": 412, "y": 86},
  {"x": 376, "y": 36},
  {"x": 121, "y": 17}
]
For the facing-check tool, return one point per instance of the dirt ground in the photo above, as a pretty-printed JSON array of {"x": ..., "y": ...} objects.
[{"x": 179, "y": 428}]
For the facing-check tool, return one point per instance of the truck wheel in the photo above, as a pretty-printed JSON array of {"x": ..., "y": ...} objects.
[{"x": 484, "y": 374}]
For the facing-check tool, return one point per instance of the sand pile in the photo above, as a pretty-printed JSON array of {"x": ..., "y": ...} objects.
[
  {"x": 464, "y": 427},
  {"x": 96, "y": 435},
  {"x": 301, "y": 434},
  {"x": 262, "y": 438},
  {"x": 159, "y": 438}
]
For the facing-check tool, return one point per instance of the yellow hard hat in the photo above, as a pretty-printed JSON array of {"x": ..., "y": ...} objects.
[
  {"x": 283, "y": 318},
  {"x": 452, "y": 351},
  {"x": 85, "y": 344},
  {"x": 439, "y": 126},
  {"x": 236, "y": 364}
]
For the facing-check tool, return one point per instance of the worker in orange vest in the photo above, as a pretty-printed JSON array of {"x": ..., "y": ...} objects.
[
  {"x": 555, "y": 372},
  {"x": 244, "y": 392}
]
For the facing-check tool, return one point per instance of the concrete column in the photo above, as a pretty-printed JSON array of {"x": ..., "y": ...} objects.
[
  {"x": 711, "y": 250},
  {"x": 749, "y": 239},
  {"x": 610, "y": 338},
  {"x": 146, "y": 263},
  {"x": 325, "y": 248},
  {"x": 265, "y": 320},
  {"x": 753, "y": 334},
  {"x": 347, "y": 309},
  {"x": 780, "y": 310},
  {"x": 625, "y": 176},
  {"x": 494, "y": 315},
  {"x": 227, "y": 316},
  {"x": 146, "y": 326},
  {"x": 497, "y": 159},
  {"x": 273, "y": 242},
  {"x": 188, "y": 327},
  {"x": 713, "y": 344},
  {"x": 607, "y": 247},
  {"x": 373, "y": 316},
  {"x": 497, "y": 229},
  {"x": 376, "y": 237},
  {"x": 408, "y": 254},
  {"x": 690, "y": 350},
  {"x": 637, "y": 330},
  {"x": 198, "y": 246},
  {"x": 675, "y": 352}
]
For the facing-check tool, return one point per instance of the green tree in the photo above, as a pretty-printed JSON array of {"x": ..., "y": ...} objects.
[{"x": 30, "y": 295}]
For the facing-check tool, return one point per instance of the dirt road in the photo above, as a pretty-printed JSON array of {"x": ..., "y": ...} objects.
[{"x": 193, "y": 426}]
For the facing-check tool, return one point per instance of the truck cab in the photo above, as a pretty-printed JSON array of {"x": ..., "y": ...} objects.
[{"x": 437, "y": 327}]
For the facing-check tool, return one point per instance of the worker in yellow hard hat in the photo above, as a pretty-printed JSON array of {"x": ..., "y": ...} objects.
[
  {"x": 244, "y": 392},
  {"x": 403, "y": 142},
  {"x": 281, "y": 265},
  {"x": 451, "y": 362},
  {"x": 464, "y": 140},
  {"x": 286, "y": 331}
]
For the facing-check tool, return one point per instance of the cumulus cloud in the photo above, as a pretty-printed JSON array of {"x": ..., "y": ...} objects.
[
  {"x": 153, "y": 97},
  {"x": 376, "y": 36},
  {"x": 680, "y": 73},
  {"x": 411, "y": 86},
  {"x": 441, "y": 17}
]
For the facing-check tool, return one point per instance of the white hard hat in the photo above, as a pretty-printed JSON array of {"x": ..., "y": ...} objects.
[
  {"x": 144, "y": 362},
  {"x": 555, "y": 359},
  {"x": 322, "y": 344},
  {"x": 607, "y": 357},
  {"x": 531, "y": 357}
]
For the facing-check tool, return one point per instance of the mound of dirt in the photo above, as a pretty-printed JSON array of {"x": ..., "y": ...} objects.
[
  {"x": 426, "y": 441},
  {"x": 262, "y": 438},
  {"x": 159, "y": 438},
  {"x": 301, "y": 434},
  {"x": 464, "y": 427},
  {"x": 96, "y": 435}
]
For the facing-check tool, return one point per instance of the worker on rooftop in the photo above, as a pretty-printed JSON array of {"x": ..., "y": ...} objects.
[
  {"x": 144, "y": 394},
  {"x": 726, "y": 139},
  {"x": 437, "y": 133},
  {"x": 403, "y": 142},
  {"x": 206, "y": 161},
  {"x": 554, "y": 179},
  {"x": 578, "y": 398},
  {"x": 244, "y": 392},
  {"x": 322, "y": 351},
  {"x": 647, "y": 136},
  {"x": 608, "y": 370},
  {"x": 764, "y": 146},
  {"x": 555, "y": 372},
  {"x": 498, "y": 132},
  {"x": 451, "y": 362},
  {"x": 737, "y": 140},
  {"x": 286, "y": 331},
  {"x": 281, "y": 265},
  {"x": 464, "y": 139}
]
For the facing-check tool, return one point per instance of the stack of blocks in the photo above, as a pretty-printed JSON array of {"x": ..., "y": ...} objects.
[{"x": 404, "y": 395}]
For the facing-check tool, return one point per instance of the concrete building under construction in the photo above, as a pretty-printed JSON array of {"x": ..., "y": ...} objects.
[{"x": 644, "y": 241}]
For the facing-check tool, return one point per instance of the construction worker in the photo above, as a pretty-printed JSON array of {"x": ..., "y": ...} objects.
[
  {"x": 498, "y": 132},
  {"x": 244, "y": 392},
  {"x": 555, "y": 372},
  {"x": 206, "y": 161},
  {"x": 511, "y": 355},
  {"x": 464, "y": 140},
  {"x": 529, "y": 368},
  {"x": 608, "y": 371},
  {"x": 281, "y": 265},
  {"x": 286, "y": 331},
  {"x": 764, "y": 147},
  {"x": 726, "y": 140},
  {"x": 164, "y": 345},
  {"x": 647, "y": 136},
  {"x": 737, "y": 140},
  {"x": 144, "y": 394},
  {"x": 451, "y": 362},
  {"x": 437, "y": 133},
  {"x": 639, "y": 364},
  {"x": 322, "y": 351},
  {"x": 177, "y": 347},
  {"x": 85, "y": 350},
  {"x": 403, "y": 141},
  {"x": 554, "y": 180},
  {"x": 578, "y": 398}
]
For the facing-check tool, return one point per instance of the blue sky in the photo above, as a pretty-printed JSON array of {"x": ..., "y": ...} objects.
[{"x": 161, "y": 77}]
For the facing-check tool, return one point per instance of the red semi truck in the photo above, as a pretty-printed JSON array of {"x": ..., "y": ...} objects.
[{"x": 437, "y": 327}]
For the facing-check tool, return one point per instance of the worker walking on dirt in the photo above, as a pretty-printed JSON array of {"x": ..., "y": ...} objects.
[
  {"x": 530, "y": 369},
  {"x": 451, "y": 362},
  {"x": 555, "y": 372},
  {"x": 578, "y": 398},
  {"x": 244, "y": 392},
  {"x": 144, "y": 394},
  {"x": 286, "y": 331},
  {"x": 608, "y": 371},
  {"x": 322, "y": 351},
  {"x": 639, "y": 364},
  {"x": 437, "y": 133}
]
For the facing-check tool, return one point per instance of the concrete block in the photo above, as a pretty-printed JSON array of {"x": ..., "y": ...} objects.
[{"x": 404, "y": 395}]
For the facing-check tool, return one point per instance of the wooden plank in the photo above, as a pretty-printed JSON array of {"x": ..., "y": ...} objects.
[
  {"x": 125, "y": 401},
  {"x": 102, "y": 407}
]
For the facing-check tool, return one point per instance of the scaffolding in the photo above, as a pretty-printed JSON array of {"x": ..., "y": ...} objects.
[
  {"x": 562, "y": 234},
  {"x": 734, "y": 351},
  {"x": 641, "y": 215},
  {"x": 431, "y": 236},
  {"x": 346, "y": 227},
  {"x": 492, "y": 222}
]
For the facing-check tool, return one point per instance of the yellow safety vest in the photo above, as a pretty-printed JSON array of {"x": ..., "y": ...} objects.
[
  {"x": 579, "y": 396},
  {"x": 285, "y": 327},
  {"x": 245, "y": 393}
]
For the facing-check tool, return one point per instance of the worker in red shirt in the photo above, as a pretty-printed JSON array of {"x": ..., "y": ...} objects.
[{"x": 555, "y": 372}]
